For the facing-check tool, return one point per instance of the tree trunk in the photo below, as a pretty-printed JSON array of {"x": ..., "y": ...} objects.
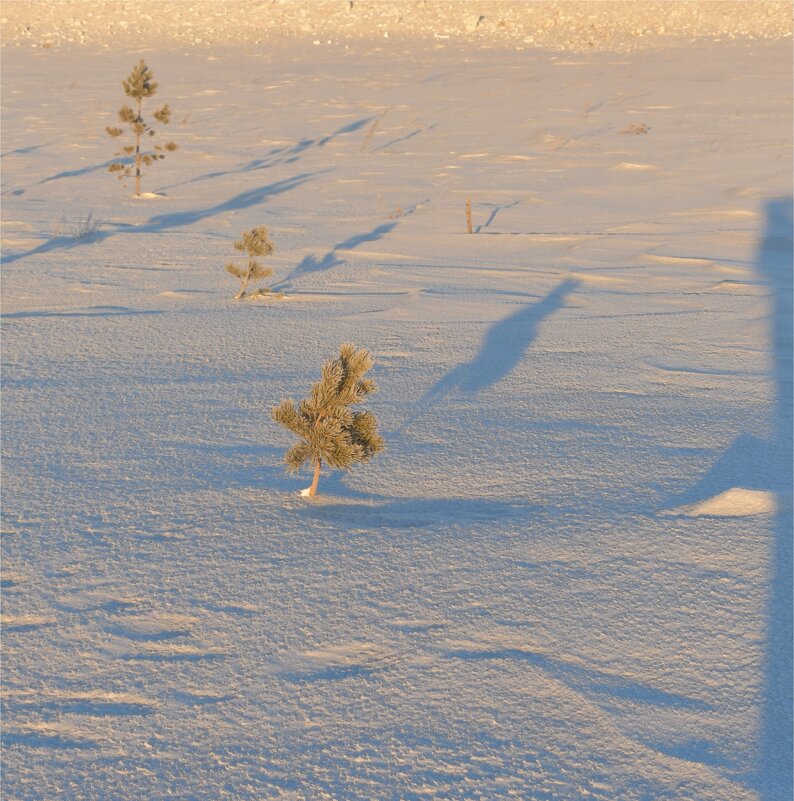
[
  {"x": 244, "y": 285},
  {"x": 138, "y": 165},
  {"x": 138, "y": 156},
  {"x": 315, "y": 480}
]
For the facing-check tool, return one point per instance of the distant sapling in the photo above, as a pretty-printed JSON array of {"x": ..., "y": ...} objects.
[
  {"x": 329, "y": 430},
  {"x": 255, "y": 242},
  {"x": 139, "y": 85}
]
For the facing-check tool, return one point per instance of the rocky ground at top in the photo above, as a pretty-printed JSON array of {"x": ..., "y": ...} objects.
[{"x": 576, "y": 26}]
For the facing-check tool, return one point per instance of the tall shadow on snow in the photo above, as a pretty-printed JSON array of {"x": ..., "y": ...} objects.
[
  {"x": 502, "y": 349},
  {"x": 274, "y": 157},
  {"x": 280, "y": 155},
  {"x": 775, "y": 263},
  {"x": 167, "y": 222},
  {"x": 311, "y": 264},
  {"x": 253, "y": 197},
  {"x": 766, "y": 464}
]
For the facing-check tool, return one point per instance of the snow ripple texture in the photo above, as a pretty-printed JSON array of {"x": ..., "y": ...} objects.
[{"x": 567, "y": 577}]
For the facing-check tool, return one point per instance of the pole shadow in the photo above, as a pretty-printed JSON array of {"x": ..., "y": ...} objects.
[
  {"x": 775, "y": 264},
  {"x": 752, "y": 462}
]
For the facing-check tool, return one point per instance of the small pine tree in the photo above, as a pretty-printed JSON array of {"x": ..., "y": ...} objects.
[
  {"x": 255, "y": 242},
  {"x": 139, "y": 85},
  {"x": 330, "y": 431}
]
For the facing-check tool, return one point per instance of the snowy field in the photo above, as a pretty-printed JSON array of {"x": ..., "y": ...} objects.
[{"x": 568, "y": 576}]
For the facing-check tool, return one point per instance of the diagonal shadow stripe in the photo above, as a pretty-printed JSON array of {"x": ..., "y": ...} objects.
[{"x": 169, "y": 221}]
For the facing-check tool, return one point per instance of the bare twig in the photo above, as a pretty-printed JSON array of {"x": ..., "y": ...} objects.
[{"x": 372, "y": 130}]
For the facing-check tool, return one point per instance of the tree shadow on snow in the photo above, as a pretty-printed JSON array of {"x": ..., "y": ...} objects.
[
  {"x": 385, "y": 512},
  {"x": 503, "y": 347},
  {"x": 24, "y": 150},
  {"x": 172, "y": 220},
  {"x": 92, "y": 311},
  {"x": 278, "y": 155},
  {"x": 236, "y": 466},
  {"x": 85, "y": 170},
  {"x": 311, "y": 264},
  {"x": 404, "y": 138},
  {"x": 353, "y": 508},
  {"x": 601, "y": 684},
  {"x": 494, "y": 211},
  {"x": 274, "y": 157}
]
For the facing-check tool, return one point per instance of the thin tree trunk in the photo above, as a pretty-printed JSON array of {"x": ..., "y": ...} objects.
[
  {"x": 315, "y": 480},
  {"x": 244, "y": 285},
  {"x": 138, "y": 165},
  {"x": 138, "y": 155}
]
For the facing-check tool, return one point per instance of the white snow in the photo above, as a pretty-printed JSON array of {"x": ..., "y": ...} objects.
[
  {"x": 499, "y": 606},
  {"x": 735, "y": 502}
]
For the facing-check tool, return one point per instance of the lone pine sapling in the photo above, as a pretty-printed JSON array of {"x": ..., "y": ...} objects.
[
  {"x": 329, "y": 430},
  {"x": 255, "y": 242},
  {"x": 139, "y": 85}
]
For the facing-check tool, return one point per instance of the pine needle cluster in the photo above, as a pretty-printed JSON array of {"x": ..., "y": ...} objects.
[
  {"x": 139, "y": 85},
  {"x": 330, "y": 431},
  {"x": 255, "y": 242}
]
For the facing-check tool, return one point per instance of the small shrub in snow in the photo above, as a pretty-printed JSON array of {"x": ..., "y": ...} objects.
[
  {"x": 85, "y": 226},
  {"x": 255, "y": 242},
  {"x": 139, "y": 85},
  {"x": 330, "y": 431}
]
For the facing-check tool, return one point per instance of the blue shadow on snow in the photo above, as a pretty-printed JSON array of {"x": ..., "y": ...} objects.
[
  {"x": 766, "y": 464},
  {"x": 588, "y": 680},
  {"x": 776, "y": 265},
  {"x": 92, "y": 311},
  {"x": 503, "y": 347},
  {"x": 278, "y": 155},
  {"x": 311, "y": 264},
  {"x": 167, "y": 222}
]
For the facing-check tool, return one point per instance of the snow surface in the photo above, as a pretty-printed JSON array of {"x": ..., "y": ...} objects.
[
  {"x": 499, "y": 606},
  {"x": 735, "y": 501}
]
